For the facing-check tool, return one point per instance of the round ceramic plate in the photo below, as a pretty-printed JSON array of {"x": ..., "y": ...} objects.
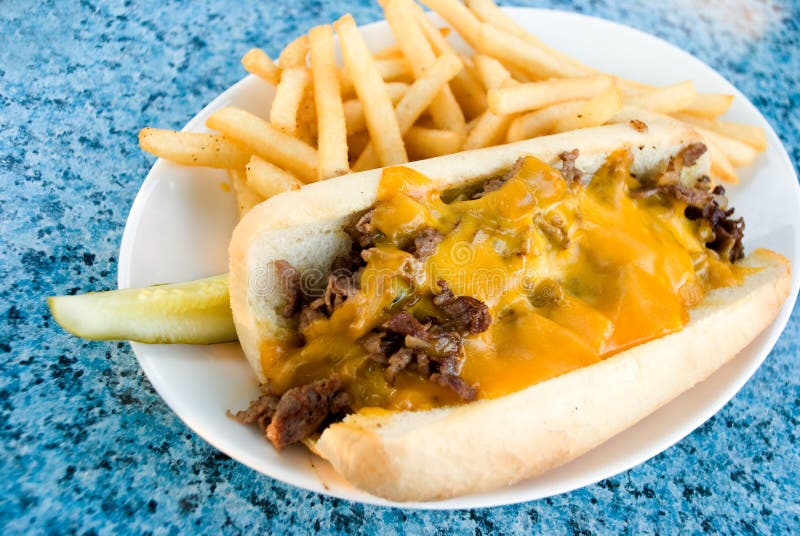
[{"x": 181, "y": 221}]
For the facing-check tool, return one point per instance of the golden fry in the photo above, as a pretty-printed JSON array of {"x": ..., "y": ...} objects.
[
  {"x": 354, "y": 112},
  {"x": 192, "y": 148},
  {"x": 416, "y": 100},
  {"x": 749, "y": 134},
  {"x": 390, "y": 70},
  {"x": 459, "y": 17},
  {"x": 542, "y": 122},
  {"x": 332, "y": 133},
  {"x": 595, "y": 112},
  {"x": 258, "y": 63},
  {"x": 423, "y": 142},
  {"x": 288, "y": 95},
  {"x": 371, "y": 90},
  {"x": 534, "y": 95},
  {"x": 268, "y": 179},
  {"x": 266, "y": 141},
  {"x": 529, "y": 59},
  {"x": 709, "y": 105},
  {"x": 294, "y": 55},
  {"x": 445, "y": 110},
  {"x": 665, "y": 100},
  {"x": 246, "y": 197}
]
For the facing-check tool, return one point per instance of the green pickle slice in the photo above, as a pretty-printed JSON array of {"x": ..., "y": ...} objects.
[{"x": 194, "y": 312}]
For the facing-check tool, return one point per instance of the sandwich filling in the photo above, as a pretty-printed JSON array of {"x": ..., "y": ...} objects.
[{"x": 478, "y": 292}]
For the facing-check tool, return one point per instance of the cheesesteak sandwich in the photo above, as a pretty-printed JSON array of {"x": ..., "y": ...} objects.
[{"x": 469, "y": 321}]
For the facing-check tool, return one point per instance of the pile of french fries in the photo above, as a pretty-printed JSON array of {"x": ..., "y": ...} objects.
[{"x": 421, "y": 98}]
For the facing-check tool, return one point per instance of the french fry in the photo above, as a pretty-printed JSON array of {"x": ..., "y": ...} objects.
[
  {"x": 444, "y": 109},
  {"x": 531, "y": 60},
  {"x": 542, "y": 121},
  {"x": 268, "y": 179},
  {"x": 332, "y": 133},
  {"x": 665, "y": 100},
  {"x": 354, "y": 112},
  {"x": 492, "y": 73},
  {"x": 356, "y": 143},
  {"x": 465, "y": 86},
  {"x": 266, "y": 141},
  {"x": 294, "y": 54},
  {"x": 416, "y": 100},
  {"x": 257, "y": 62},
  {"x": 754, "y": 136},
  {"x": 709, "y": 104},
  {"x": 459, "y": 17},
  {"x": 487, "y": 11},
  {"x": 721, "y": 167},
  {"x": 738, "y": 153},
  {"x": 288, "y": 95},
  {"x": 596, "y": 111},
  {"x": 387, "y": 138},
  {"x": 422, "y": 142},
  {"x": 388, "y": 53},
  {"x": 192, "y": 148},
  {"x": 534, "y": 95},
  {"x": 246, "y": 197},
  {"x": 490, "y": 128},
  {"x": 390, "y": 70},
  {"x": 307, "y": 117}
]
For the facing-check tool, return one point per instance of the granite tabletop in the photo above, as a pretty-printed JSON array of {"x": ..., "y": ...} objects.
[{"x": 88, "y": 446}]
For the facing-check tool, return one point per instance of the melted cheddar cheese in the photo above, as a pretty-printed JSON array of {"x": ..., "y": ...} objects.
[{"x": 571, "y": 274}]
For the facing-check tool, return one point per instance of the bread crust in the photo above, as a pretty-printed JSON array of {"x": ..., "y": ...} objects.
[{"x": 428, "y": 455}]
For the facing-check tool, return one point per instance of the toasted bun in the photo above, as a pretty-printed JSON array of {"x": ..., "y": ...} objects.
[{"x": 440, "y": 453}]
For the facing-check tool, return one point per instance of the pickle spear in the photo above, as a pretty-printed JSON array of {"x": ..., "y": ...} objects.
[{"x": 195, "y": 312}]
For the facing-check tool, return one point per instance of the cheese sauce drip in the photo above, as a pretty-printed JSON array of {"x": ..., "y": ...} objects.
[{"x": 571, "y": 273}]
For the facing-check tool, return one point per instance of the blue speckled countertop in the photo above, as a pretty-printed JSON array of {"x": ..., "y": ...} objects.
[{"x": 87, "y": 445}]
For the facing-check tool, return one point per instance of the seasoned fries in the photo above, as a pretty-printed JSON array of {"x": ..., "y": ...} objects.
[
  {"x": 268, "y": 179},
  {"x": 420, "y": 98},
  {"x": 331, "y": 129},
  {"x": 192, "y": 148},
  {"x": 387, "y": 138}
]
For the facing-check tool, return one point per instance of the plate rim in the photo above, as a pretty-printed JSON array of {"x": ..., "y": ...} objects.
[{"x": 678, "y": 433}]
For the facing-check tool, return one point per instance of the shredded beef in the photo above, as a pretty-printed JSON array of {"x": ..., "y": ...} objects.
[
  {"x": 692, "y": 153},
  {"x": 495, "y": 183},
  {"x": 289, "y": 283},
  {"x": 311, "y": 312},
  {"x": 405, "y": 324},
  {"x": 339, "y": 288},
  {"x": 259, "y": 412},
  {"x": 426, "y": 242},
  {"x": 553, "y": 229},
  {"x": 362, "y": 232},
  {"x": 568, "y": 169},
  {"x": 302, "y": 410},
  {"x": 637, "y": 125},
  {"x": 397, "y": 362},
  {"x": 706, "y": 205},
  {"x": 456, "y": 383},
  {"x": 465, "y": 313}
]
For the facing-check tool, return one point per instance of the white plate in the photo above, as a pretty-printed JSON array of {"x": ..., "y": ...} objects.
[{"x": 180, "y": 223}]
